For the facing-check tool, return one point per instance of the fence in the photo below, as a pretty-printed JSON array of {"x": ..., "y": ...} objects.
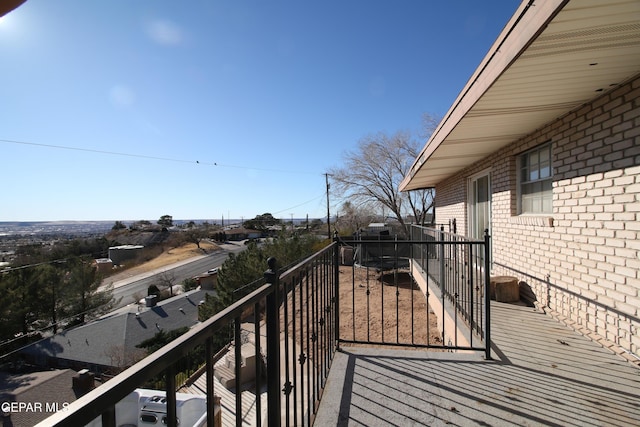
[
  {"x": 296, "y": 308},
  {"x": 306, "y": 312},
  {"x": 383, "y": 276}
]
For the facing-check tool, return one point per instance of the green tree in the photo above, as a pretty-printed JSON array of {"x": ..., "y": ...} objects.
[
  {"x": 189, "y": 284},
  {"x": 50, "y": 293},
  {"x": 119, "y": 225},
  {"x": 20, "y": 302},
  {"x": 262, "y": 222},
  {"x": 161, "y": 338},
  {"x": 239, "y": 271},
  {"x": 194, "y": 235},
  {"x": 82, "y": 293},
  {"x": 166, "y": 221}
]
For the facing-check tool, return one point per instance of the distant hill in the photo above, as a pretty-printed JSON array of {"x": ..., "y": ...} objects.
[{"x": 16, "y": 228}]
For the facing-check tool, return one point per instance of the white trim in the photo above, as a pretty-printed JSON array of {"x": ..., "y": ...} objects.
[
  {"x": 485, "y": 172},
  {"x": 519, "y": 184}
]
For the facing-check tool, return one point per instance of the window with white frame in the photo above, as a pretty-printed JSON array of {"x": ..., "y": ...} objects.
[{"x": 536, "y": 178}]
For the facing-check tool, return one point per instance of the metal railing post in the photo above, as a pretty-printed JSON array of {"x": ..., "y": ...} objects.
[
  {"x": 211, "y": 405},
  {"x": 273, "y": 345},
  {"x": 336, "y": 279},
  {"x": 172, "y": 418},
  {"x": 237, "y": 341},
  {"x": 109, "y": 417},
  {"x": 441, "y": 256},
  {"x": 487, "y": 297}
]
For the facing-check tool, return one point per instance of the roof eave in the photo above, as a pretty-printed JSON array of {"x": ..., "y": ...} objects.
[{"x": 525, "y": 25}]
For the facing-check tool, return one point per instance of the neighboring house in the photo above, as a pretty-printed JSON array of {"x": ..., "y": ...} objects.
[
  {"x": 208, "y": 280},
  {"x": 377, "y": 228},
  {"x": 104, "y": 265},
  {"x": 29, "y": 398},
  {"x": 109, "y": 344},
  {"x": 237, "y": 234},
  {"x": 542, "y": 148}
]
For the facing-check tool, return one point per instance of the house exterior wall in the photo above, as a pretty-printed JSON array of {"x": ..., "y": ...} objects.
[{"x": 582, "y": 262}]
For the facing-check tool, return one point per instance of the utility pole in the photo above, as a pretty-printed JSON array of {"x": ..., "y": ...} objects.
[{"x": 326, "y": 178}]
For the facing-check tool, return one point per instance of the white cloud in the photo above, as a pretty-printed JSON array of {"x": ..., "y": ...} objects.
[{"x": 164, "y": 32}]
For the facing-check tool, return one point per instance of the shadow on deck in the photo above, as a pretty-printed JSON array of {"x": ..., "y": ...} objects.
[{"x": 542, "y": 373}]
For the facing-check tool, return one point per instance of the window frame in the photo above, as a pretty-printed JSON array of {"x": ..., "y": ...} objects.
[{"x": 535, "y": 171}]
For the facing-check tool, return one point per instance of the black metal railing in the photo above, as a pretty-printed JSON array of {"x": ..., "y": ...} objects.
[
  {"x": 298, "y": 310},
  {"x": 382, "y": 303},
  {"x": 305, "y": 312},
  {"x": 458, "y": 270}
]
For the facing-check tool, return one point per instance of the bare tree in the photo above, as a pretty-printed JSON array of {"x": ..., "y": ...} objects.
[
  {"x": 372, "y": 174},
  {"x": 121, "y": 357},
  {"x": 352, "y": 218},
  {"x": 429, "y": 125},
  {"x": 167, "y": 279}
]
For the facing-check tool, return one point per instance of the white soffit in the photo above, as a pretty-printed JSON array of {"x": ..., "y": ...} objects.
[{"x": 587, "y": 48}]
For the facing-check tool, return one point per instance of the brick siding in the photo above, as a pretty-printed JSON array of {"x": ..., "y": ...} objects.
[{"x": 582, "y": 262}]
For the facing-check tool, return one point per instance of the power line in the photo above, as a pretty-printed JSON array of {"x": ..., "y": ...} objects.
[
  {"x": 144, "y": 156},
  {"x": 301, "y": 204}
]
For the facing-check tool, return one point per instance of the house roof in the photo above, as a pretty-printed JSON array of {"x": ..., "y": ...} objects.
[
  {"x": 47, "y": 389},
  {"x": 242, "y": 230},
  {"x": 552, "y": 57},
  {"x": 112, "y": 340},
  {"x": 8, "y": 5}
]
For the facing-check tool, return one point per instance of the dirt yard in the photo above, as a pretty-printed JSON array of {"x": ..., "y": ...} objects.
[
  {"x": 381, "y": 308},
  {"x": 384, "y": 307}
]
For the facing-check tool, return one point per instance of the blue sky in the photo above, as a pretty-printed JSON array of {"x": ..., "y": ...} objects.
[{"x": 128, "y": 110}]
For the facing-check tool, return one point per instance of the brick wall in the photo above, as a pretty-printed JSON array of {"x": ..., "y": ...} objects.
[{"x": 582, "y": 262}]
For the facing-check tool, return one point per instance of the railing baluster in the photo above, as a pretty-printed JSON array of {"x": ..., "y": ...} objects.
[
  {"x": 381, "y": 255},
  {"x": 455, "y": 289},
  {"x": 428, "y": 294},
  {"x": 472, "y": 318},
  {"x": 353, "y": 299},
  {"x": 314, "y": 329},
  {"x": 334, "y": 275},
  {"x": 411, "y": 247},
  {"x": 170, "y": 374},
  {"x": 291, "y": 386},
  {"x": 287, "y": 383},
  {"x": 211, "y": 404},
  {"x": 109, "y": 417},
  {"x": 309, "y": 351},
  {"x": 273, "y": 345},
  {"x": 395, "y": 279},
  {"x": 487, "y": 280},
  {"x": 237, "y": 339},
  {"x": 258, "y": 359},
  {"x": 368, "y": 306}
]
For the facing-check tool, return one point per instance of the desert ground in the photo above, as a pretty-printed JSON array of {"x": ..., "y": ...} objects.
[{"x": 374, "y": 306}]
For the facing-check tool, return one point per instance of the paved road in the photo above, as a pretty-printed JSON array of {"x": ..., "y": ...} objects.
[{"x": 129, "y": 289}]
